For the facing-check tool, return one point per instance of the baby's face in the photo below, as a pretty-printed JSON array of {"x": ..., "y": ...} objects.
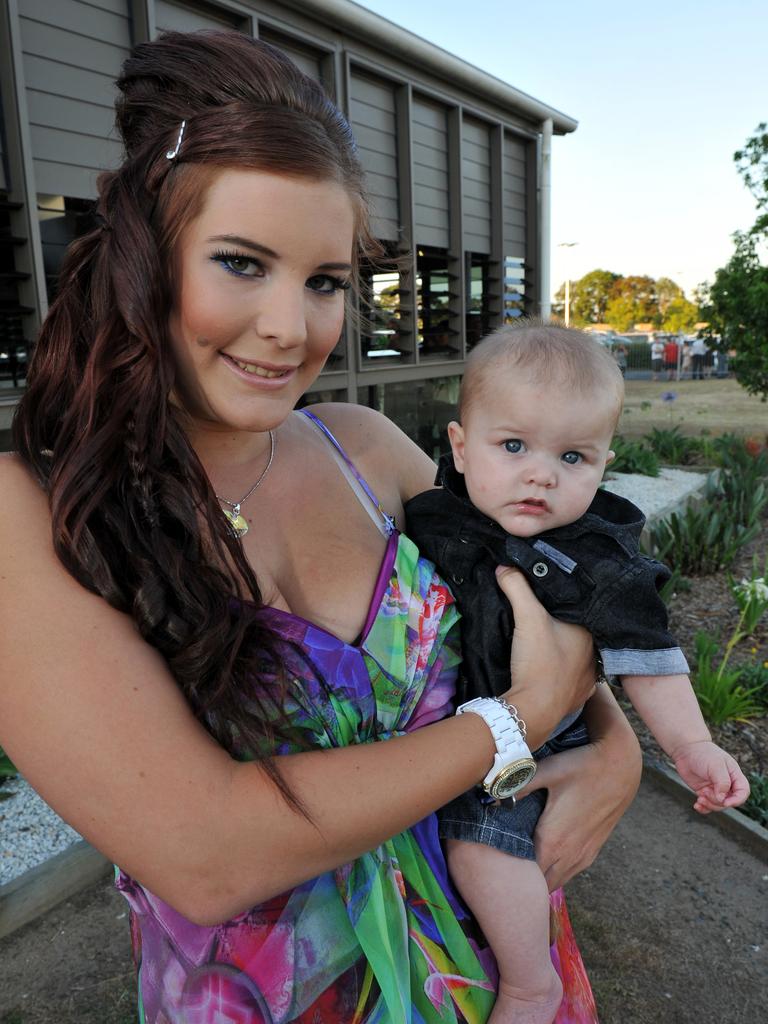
[{"x": 533, "y": 455}]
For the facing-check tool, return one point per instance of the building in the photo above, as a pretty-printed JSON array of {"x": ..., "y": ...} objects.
[{"x": 457, "y": 164}]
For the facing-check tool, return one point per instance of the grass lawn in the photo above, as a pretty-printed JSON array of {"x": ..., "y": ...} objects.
[{"x": 701, "y": 406}]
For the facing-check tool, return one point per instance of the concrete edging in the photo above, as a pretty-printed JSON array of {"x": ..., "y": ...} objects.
[
  {"x": 38, "y": 890},
  {"x": 751, "y": 836}
]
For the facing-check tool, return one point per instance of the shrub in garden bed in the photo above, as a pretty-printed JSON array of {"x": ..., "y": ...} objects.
[{"x": 634, "y": 457}]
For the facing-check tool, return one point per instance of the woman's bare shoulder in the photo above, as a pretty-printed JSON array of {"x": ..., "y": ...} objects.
[{"x": 378, "y": 446}]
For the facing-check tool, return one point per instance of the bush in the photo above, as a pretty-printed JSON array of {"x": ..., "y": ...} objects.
[
  {"x": 708, "y": 538},
  {"x": 754, "y": 676},
  {"x": 701, "y": 540},
  {"x": 721, "y": 693},
  {"x": 672, "y": 446},
  {"x": 633, "y": 457},
  {"x": 756, "y": 806},
  {"x": 7, "y": 769}
]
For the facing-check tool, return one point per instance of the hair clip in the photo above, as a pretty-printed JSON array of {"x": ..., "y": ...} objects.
[{"x": 171, "y": 154}]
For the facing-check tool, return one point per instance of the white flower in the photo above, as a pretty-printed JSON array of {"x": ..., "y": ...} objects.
[{"x": 756, "y": 589}]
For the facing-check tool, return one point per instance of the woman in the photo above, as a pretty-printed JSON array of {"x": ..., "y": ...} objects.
[{"x": 222, "y": 617}]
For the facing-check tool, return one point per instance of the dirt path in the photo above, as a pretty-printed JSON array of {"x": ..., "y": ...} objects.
[{"x": 672, "y": 921}]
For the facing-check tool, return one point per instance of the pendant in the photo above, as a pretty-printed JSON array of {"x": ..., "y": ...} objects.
[{"x": 237, "y": 521}]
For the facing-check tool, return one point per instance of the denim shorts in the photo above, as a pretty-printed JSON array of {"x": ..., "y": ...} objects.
[{"x": 507, "y": 825}]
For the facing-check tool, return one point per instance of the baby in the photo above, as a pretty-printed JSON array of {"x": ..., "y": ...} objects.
[{"x": 538, "y": 408}]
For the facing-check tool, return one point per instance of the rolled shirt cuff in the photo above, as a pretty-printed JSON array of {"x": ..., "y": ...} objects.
[{"x": 633, "y": 662}]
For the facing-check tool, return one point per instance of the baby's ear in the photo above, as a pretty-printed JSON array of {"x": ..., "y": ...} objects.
[
  {"x": 610, "y": 457},
  {"x": 456, "y": 437}
]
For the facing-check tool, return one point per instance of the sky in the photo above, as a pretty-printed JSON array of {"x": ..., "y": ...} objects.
[{"x": 664, "y": 91}]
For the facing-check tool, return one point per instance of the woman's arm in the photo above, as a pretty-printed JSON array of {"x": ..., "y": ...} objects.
[
  {"x": 94, "y": 720},
  {"x": 589, "y": 789}
]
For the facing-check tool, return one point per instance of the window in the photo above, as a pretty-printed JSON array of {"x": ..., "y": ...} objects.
[
  {"x": 385, "y": 335},
  {"x": 421, "y": 408},
  {"x": 436, "y": 291},
  {"x": 62, "y": 220},
  {"x": 478, "y": 297},
  {"x": 514, "y": 288}
]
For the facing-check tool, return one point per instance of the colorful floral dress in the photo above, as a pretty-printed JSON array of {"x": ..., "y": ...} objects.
[{"x": 384, "y": 939}]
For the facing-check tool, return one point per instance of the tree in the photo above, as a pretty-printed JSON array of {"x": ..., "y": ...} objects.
[
  {"x": 633, "y": 300},
  {"x": 738, "y": 314},
  {"x": 620, "y": 313},
  {"x": 737, "y": 309},
  {"x": 589, "y": 297},
  {"x": 752, "y": 165},
  {"x": 667, "y": 292},
  {"x": 680, "y": 315}
]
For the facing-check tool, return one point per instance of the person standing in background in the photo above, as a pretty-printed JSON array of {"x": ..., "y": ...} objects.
[
  {"x": 698, "y": 352},
  {"x": 670, "y": 358},
  {"x": 657, "y": 356}
]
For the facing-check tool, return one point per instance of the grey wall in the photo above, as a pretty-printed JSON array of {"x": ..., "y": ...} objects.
[
  {"x": 372, "y": 115},
  {"x": 72, "y": 53}
]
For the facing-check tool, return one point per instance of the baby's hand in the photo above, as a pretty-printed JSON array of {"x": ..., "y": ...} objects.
[{"x": 712, "y": 774}]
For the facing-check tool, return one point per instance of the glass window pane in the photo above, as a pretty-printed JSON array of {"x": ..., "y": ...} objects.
[
  {"x": 478, "y": 297},
  {"x": 421, "y": 408},
  {"x": 436, "y": 301},
  {"x": 385, "y": 335},
  {"x": 514, "y": 288}
]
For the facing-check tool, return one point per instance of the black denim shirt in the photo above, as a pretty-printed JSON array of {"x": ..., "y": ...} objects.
[{"x": 590, "y": 572}]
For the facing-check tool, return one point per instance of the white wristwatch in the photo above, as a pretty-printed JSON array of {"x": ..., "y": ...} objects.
[{"x": 513, "y": 766}]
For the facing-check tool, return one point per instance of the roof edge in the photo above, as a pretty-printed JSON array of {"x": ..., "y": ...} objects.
[{"x": 381, "y": 32}]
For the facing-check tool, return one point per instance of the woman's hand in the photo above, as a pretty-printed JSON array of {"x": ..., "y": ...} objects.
[
  {"x": 589, "y": 789},
  {"x": 553, "y": 663}
]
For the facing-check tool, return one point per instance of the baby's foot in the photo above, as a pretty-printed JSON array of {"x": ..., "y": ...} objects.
[{"x": 516, "y": 1005}]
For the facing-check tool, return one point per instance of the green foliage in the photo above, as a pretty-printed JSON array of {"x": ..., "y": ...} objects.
[
  {"x": 756, "y": 806},
  {"x": 752, "y": 164},
  {"x": 680, "y": 315},
  {"x": 633, "y": 457},
  {"x": 733, "y": 454},
  {"x": 754, "y": 676},
  {"x": 7, "y": 769},
  {"x": 737, "y": 305},
  {"x": 707, "y": 538},
  {"x": 700, "y": 540},
  {"x": 676, "y": 584},
  {"x": 673, "y": 447},
  {"x": 720, "y": 691},
  {"x": 622, "y": 313},
  {"x": 604, "y": 297},
  {"x": 589, "y": 297},
  {"x": 737, "y": 313},
  {"x": 751, "y": 597}
]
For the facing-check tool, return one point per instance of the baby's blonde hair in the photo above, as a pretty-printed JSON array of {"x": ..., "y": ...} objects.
[{"x": 547, "y": 353}]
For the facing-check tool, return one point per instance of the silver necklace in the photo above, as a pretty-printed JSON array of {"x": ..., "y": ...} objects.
[{"x": 237, "y": 521}]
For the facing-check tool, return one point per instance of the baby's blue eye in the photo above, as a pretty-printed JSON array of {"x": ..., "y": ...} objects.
[
  {"x": 514, "y": 446},
  {"x": 572, "y": 458}
]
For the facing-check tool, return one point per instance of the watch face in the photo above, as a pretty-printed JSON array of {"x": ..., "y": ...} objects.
[{"x": 512, "y": 778}]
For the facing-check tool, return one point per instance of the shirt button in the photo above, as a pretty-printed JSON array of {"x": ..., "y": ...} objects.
[
  {"x": 458, "y": 580},
  {"x": 540, "y": 569}
]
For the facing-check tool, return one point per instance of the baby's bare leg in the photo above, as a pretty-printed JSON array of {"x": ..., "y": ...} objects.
[{"x": 509, "y": 898}]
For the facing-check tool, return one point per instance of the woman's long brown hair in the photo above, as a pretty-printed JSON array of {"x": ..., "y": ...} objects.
[{"x": 134, "y": 516}]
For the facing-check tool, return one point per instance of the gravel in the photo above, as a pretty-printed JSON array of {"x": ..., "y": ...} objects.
[{"x": 30, "y": 832}]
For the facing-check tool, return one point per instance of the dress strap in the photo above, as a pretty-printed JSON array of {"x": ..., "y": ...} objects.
[{"x": 354, "y": 478}]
